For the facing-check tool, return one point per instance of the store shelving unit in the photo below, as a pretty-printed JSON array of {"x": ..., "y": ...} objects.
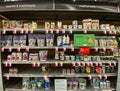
[{"x": 55, "y": 15}]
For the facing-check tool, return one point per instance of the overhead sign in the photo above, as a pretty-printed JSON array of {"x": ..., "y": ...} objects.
[
  {"x": 26, "y": 5},
  {"x": 78, "y": 5}
]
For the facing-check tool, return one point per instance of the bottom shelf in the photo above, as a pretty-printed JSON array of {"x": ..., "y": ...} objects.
[
  {"x": 111, "y": 89},
  {"x": 17, "y": 87}
]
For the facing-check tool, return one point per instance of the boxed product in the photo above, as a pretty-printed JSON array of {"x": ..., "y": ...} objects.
[
  {"x": 13, "y": 56},
  {"x": 95, "y": 24},
  {"x": 60, "y": 85},
  {"x": 5, "y": 24},
  {"x": 59, "y": 40},
  {"x": 52, "y": 25},
  {"x": 59, "y": 24},
  {"x": 31, "y": 40},
  {"x": 84, "y": 40},
  {"x": 19, "y": 24},
  {"x": 33, "y": 85},
  {"x": 87, "y": 24},
  {"x": 49, "y": 40},
  {"x": 47, "y": 25},
  {"x": 13, "y": 23},
  {"x": 82, "y": 83},
  {"x": 6, "y": 40},
  {"x": 25, "y": 56},
  {"x": 43, "y": 55},
  {"x": 25, "y": 83},
  {"x": 34, "y": 25},
  {"x": 40, "y": 84},
  {"x": 33, "y": 57},
  {"x": 40, "y": 40},
  {"x": 18, "y": 56}
]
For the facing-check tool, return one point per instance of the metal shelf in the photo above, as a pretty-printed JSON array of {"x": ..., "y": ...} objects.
[
  {"x": 60, "y": 30},
  {"x": 36, "y": 74},
  {"x": 111, "y": 89},
  {"x": 36, "y": 47},
  {"x": 53, "y": 61}
]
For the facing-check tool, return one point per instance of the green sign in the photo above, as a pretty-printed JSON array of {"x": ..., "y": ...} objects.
[{"x": 84, "y": 40}]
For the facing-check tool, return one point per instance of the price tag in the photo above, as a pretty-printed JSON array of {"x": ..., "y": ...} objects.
[
  {"x": 5, "y": 64},
  {"x": 91, "y": 64},
  {"x": 27, "y": 49},
  {"x": 100, "y": 77},
  {"x": 26, "y": 31},
  {"x": 7, "y": 77},
  {"x": 87, "y": 64},
  {"x": 73, "y": 64},
  {"x": 63, "y": 31},
  {"x": 31, "y": 31},
  {"x": 9, "y": 49},
  {"x": 61, "y": 64},
  {"x": 46, "y": 31},
  {"x": 21, "y": 31},
  {"x": 51, "y": 30},
  {"x": 9, "y": 64},
  {"x": 111, "y": 49},
  {"x": 100, "y": 63},
  {"x": 70, "y": 31},
  {"x": 83, "y": 64},
  {"x": 57, "y": 31},
  {"x": 109, "y": 63},
  {"x": 89, "y": 77},
  {"x": 2, "y": 49},
  {"x": 96, "y": 49},
  {"x": 84, "y": 31},
  {"x": 33, "y": 64},
  {"x": 38, "y": 65},
  {"x": 105, "y": 76},
  {"x": 45, "y": 77},
  {"x": 113, "y": 32},
  {"x": 64, "y": 48},
  {"x": 114, "y": 63},
  {"x": 14, "y": 31},
  {"x": 56, "y": 64},
  {"x": 110, "y": 32},
  {"x": 96, "y": 64},
  {"x": 78, "y": 63},
  {"x": 72, "y": 49},
  {"x": 56, "y": 48},
  {"x": 104, "y": 31},
  {"x": 3, "y": 31},
  {"x": 104, "y": 49},
  {"x": 18, "y": 49}
]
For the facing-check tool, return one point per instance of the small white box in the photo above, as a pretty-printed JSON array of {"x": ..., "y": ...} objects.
[{"x": 60, "y": 85}]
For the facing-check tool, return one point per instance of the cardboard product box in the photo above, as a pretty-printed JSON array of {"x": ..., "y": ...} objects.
[
  {"x": 60, "y": 84},
  {"x": 84, "y": 40}
]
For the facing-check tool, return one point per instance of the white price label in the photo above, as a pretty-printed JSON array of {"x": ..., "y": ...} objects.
[
  {"x": 51, "y": 30},
  {"x": 57, "y": 31},
  {"x": 10, "y": 49},
  {"x": 3, "y": 31},
  {"x": 84, "y": 31},
  {"x": 63, "y": 31},
  {"x": 31, "y": 31},
  {"x": 70, "y": 31},
  {"x": 21, "y": 31},
  {"x": 14, "y": 31},
  {"x": 64, "y": 48},
  {"x": 72, "y": 49}
]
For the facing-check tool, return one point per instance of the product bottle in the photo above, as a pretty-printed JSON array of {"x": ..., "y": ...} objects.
[
  {"x": 67, "y": 40},
  {"x": 64, "y": 40},
  {"x": 47, "y": 83}
]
